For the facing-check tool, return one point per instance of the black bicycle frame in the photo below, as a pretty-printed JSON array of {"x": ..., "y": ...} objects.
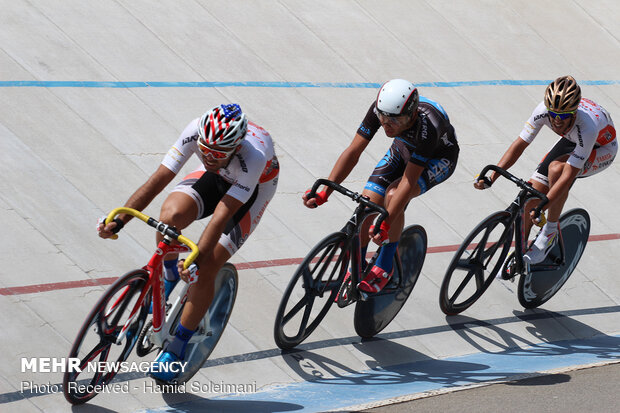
[
  {"x": 352, "y": 227},
  {"x": 527, "y": 192}
]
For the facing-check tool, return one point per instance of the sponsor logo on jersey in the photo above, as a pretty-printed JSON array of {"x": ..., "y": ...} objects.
[
  {"x": 603, "y": 158},
  {"x": 260, "y": 214},
  {"x": 542, "y": 115},
  {"x": 175, "y": 154},
  {"x": 438, "y": 169},
  {"x": 244, "y": 166},
  {"x": 190, "y": 139},
  {"x": 364, "y": 129},
  {"x": 245, "y": 188},
  {"x": 424, "y": 130},
  {"x": 444, "y": 139}
]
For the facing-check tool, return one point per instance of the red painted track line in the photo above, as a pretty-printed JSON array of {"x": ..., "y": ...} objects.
[{"x": 38, "y": 288}]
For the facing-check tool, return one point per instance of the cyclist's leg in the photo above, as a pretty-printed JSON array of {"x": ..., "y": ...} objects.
[
  {"x": 201, "y": 293},
  {"x": 389, "y": 169},
  {"x": 540, "y": 178},
  {"x": 182, "y": 207},
  {"x": 436, "y": 172},
  {"x": 555, "y": 171}
]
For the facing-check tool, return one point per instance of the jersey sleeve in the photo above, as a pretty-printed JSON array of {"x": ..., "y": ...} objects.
[
  {"x": 183, "y": 148},
  {"x": 534, "y": 123},
  {"x": 254, "y": 163},
  {"x": 370, "y": 125},
  {"x": 587, "y": 133}
]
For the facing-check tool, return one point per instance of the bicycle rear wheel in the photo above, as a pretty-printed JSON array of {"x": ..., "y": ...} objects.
[
  {"x": 96, "y": 341},
  {"x": 374, "y": 314},
  {"x": 546, "y": 279},
  {"x": 311, "y": 291},
  {"x": 476, "y": 263}
]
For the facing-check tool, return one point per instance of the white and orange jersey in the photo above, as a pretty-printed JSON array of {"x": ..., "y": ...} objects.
[
  {"x": 593, "y": 128},
  {"x": 254, "y": 163}
]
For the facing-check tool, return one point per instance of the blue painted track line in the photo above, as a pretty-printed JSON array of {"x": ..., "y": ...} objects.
[
  {"x": 383, "y": 383},
  {"x": 260, "y": 84}
]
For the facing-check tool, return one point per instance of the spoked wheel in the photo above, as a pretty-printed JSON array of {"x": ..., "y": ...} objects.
[
  {"x": 374, "y": 314},
  {"x": 311, "y": 291},
  {"x": 101, "y": 337},
  {"x": 546, "y": 279},
  {"x": 476, "y": 263}
]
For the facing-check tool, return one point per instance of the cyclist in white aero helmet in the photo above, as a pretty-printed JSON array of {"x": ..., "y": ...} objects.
[
  {"x": 234, "y": 184},
  {"x": 587, "y": 145},
  {"x": 423, "y": 153}
]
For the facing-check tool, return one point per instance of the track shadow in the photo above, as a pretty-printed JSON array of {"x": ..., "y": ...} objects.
[
  {"x": 383, "y": 356},
  {"x": 195, "y": 403},
  {"x": 548, "y": 342}
]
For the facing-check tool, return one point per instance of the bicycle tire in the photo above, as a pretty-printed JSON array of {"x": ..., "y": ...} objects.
[
  {"x": 495, "y": 232},
  {"x": 329, "y": 256},
  {"x": 106, "y": 321},
  {"x": 538, "y": 286},
  {"x": 196, "y": 354},
  {"x": 374, "y": 314}
]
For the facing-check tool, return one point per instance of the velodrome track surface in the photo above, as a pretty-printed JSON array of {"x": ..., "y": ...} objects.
[{"x": 94, "y": 93}]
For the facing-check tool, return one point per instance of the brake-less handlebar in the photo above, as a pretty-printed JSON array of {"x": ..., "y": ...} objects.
[
  {"x": 383, "y": 214},
  {"x": 161, "y": 227},
  {"x": 517, "y": 181}
]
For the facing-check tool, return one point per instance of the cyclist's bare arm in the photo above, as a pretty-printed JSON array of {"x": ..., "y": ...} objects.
[
  {"x": 142, "y": 197},
  {"x": 509, "y": 158},
  {"x": 343, "y": 166}
]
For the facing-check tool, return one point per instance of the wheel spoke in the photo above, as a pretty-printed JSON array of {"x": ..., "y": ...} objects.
[
  {"x": 462, "y": 286},
  {"x": 330, "y": 284},
  {"x": 306, "y": 317},
  {"x": 475, "y": 263},
  {"x": 468, "y": 264},
  {"x": 319, "y": 278},
  {"x": 293, "y": 311}
]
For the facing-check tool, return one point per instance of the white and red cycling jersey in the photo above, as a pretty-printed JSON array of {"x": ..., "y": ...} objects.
[
  {"x": 593, "y": 129},
  {"x": 254, "y": 163}
]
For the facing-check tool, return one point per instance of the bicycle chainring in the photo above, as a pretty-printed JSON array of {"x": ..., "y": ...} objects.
[{"x": 345, "y": 293}]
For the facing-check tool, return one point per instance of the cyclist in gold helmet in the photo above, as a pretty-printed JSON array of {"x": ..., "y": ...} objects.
[{"x": 587, "y": 145}]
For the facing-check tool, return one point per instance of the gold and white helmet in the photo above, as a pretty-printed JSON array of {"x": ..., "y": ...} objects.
[{"x": 563, "y": 95}]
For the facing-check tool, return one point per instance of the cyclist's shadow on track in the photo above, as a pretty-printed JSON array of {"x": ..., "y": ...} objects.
[
  {"x": 192, "y": 402},
  {"x": 550, "y": 334},
  {"x": 389, "y": 363}
]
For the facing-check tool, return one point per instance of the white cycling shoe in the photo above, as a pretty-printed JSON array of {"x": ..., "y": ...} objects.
[{"x": 545, "y": 241}]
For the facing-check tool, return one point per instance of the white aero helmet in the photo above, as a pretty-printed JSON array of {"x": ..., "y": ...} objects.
[
  {"x": 397, "y": 97},
  {"x": 224, "y": 126}
]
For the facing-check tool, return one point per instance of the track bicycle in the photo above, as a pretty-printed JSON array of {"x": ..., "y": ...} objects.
[
  {"x": 319, "y": 281},
  {"x": 117, "y": 321},
  {"x": 484, "y": 253}
]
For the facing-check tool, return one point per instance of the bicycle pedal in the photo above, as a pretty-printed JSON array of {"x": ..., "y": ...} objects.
[{"x": 363, "y": 295}]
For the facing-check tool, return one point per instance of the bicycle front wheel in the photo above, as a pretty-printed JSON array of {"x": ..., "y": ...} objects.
[
  {"x": 98, "y": 341},
  {"x": 311, "y": 291},
  {"x": 476, "y": 263}
]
